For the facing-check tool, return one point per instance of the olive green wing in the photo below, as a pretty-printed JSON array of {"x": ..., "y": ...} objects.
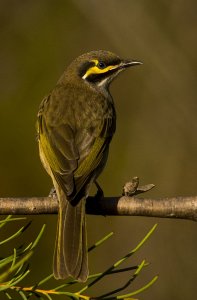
[
  {"x": 58, "y": 147},
  {"x": 93, "y": 164},
  {"x": 63, "y": 155}
]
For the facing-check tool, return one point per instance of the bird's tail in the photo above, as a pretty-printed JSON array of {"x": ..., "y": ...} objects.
[{"x": 70, "y": 256}]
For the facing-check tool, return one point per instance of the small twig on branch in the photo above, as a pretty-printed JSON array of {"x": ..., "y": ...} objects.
[{"x": 176, "y": 207}]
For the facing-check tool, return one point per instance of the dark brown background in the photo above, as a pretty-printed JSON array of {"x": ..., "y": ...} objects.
[{"x": 156, "y": 129}]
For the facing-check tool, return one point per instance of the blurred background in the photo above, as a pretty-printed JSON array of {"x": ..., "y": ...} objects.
[{"x": 156, "y": 127}]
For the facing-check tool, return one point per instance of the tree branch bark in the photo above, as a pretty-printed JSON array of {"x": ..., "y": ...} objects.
[{"x": 176, "y": 207}]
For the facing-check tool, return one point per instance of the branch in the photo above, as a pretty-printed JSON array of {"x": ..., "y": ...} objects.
[{"x": 176, "y": 207}]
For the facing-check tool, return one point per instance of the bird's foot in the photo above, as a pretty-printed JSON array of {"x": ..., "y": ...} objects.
[
  {"x": 132, "y": 187},
  {"x": 53, "y": 193}
]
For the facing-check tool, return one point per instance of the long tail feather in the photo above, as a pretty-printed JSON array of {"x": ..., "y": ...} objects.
[{"x": 70, "y": 256}]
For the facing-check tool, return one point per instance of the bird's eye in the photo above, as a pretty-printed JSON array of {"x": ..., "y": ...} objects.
[{"x": 101, "y": 65}]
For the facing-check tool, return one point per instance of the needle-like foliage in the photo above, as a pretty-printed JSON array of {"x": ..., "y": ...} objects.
[{"x": 15, "y": 267}]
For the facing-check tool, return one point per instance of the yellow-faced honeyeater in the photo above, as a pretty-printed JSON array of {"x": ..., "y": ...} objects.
[{"x": 76, "y": 122}]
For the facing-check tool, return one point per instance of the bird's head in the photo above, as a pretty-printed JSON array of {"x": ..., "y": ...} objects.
[{"x": 100, "y": 67}]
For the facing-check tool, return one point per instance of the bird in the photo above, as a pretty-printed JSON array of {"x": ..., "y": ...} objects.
[{"x": 75, "y": 125}]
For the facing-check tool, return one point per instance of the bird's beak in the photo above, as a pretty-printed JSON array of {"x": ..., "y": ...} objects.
[{"x": 129, "y": 63}]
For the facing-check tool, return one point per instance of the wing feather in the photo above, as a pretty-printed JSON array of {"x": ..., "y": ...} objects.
[{"x": 63, "y": 155}]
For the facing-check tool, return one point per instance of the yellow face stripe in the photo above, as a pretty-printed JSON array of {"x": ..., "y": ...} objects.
[{"x": 96, "y": 70}]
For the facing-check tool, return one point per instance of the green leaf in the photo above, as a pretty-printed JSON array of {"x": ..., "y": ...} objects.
[
  {"x": 22, "y": 294},
  {"x": 15, "y": 267},
  {"x": 108, "y": 271},
  {"x": 38, "y": 237},
  {"x": 3, "y": 222},
  {"x": 48, "y": 296},
  {"x": 14, "y": 258},
  {"x": 137, "y": 291},
  {"x": 100, "y": 241},
  {"x": 16, "y": 234},
  {"x": 10, "y": 219},
  {"x": 44, "y": 280},
  {"x": 19, "y": 278},
  {"x": 7, "y": 295}
]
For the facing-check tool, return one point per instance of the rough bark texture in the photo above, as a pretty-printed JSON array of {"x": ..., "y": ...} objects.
[{"x": 176, "y": 207}]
